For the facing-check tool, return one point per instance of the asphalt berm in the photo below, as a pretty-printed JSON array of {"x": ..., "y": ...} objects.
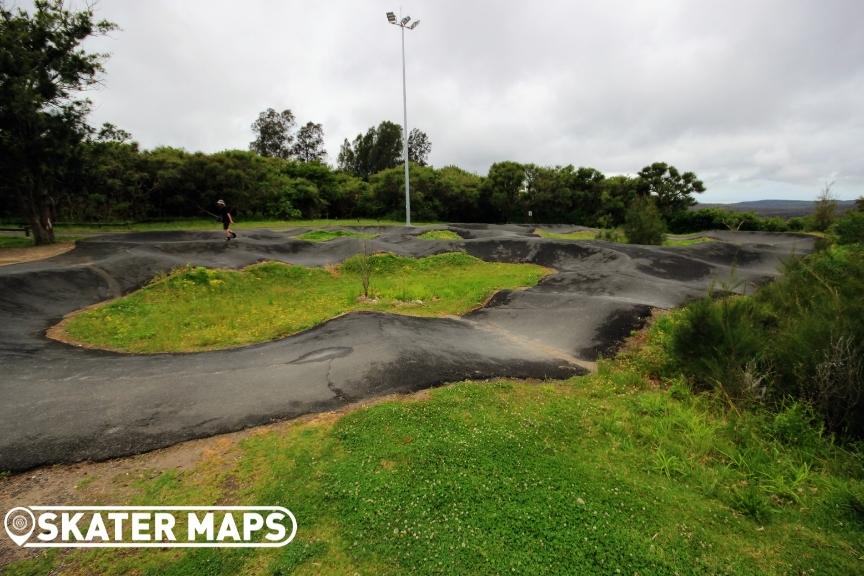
[{"x": 65, "y": 404}]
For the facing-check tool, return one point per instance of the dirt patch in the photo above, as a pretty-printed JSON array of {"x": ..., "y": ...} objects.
[{"x": 30, "y": 253}]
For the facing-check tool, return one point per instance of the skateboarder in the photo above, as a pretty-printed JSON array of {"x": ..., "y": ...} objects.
[{"x": 227, "y": 220}]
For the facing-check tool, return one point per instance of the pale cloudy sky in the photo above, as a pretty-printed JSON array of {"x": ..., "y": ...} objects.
[{"x": 761, "y": 98}]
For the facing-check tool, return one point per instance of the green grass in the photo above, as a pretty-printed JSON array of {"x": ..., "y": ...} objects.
[
  {"x": 15, "y": 241},
  {"x": 578, "y": 235},
  {"x": 211, "y": 224},
  {"x": 202, "y": 309},
  {"x": 440, "y": 235},
  {"x": 327, "y": 235},
  {"x": 604, "y": 474},
  {"x": 671, "y": 240}
]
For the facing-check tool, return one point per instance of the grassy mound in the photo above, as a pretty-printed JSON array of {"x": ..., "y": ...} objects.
[
  {"x": 617, "y": 236},
  {"x": 326, "y": 235},
  {"x": 578, "y": 235},
  {"x": 203, "y": 309},
  {"x": 671, "y": 240},
  {"x": 440, "y": 235}
]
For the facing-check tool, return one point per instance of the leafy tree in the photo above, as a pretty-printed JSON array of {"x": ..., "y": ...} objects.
[
  {"x": 419, "y": 147},
  {"x": 111, "y": 133},
  {"x": 504, "y": 190},
  {"x": 643, "y": 223},
  {"x": 672, "y": 189},
  {"x": 376, "y": 150},
  {"x": 42, "y": 123},
  {"x": 616, "y": 195},
  {"x": 859, "y": 204},
  {"x": 388, "y": 193},
  {"x": 460, "y": 195},
  {"x": 345, "y": 196},
  {"x": 826, "y": 210},
  {"x": 347, "y": 159},
  {"x": 273, "y": 133},
  {"x": 309, "y": 146},
  {"x": 112, "y": 184},
  {"x": 850, "y": 228}
]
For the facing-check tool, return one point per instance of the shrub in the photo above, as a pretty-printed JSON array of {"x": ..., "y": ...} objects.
[
  {"x": 850, "y": 228},
  {"x": 610, "y": 235},
  {"x": 720, "y": 344},
  {"x": 720, "y": 219},
  {"x": 643, "y": 223},
  {"x": 795, "y": 224},
  {"x": 801, "y": 337}
]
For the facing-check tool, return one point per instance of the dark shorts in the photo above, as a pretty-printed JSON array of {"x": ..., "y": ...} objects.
[{"x": 225, "y": 224}]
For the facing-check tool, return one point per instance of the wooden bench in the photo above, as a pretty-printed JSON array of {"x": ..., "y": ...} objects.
[{"x": 24, "y": 228}]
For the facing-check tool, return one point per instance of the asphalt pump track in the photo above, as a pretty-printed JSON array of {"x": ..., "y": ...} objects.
[{"x": 60, "y": 403}]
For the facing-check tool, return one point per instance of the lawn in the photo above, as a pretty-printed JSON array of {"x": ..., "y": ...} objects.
[
  {"x": 204, "y": 309},
  {"x": 671, "y": 240},
  {"x": 578, "y": 235},
  {"x": 15, "y": 241},
  {"x": 440, "y": 235},
  {"x": 606, "y": 474},
  {"x": 675, "y": 241},
  {"x": 211, "y": 224},
  {"x": 327, "y": 235}
]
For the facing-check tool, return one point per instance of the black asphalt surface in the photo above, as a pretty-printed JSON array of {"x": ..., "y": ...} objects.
[{"x": 60, "y": 403}]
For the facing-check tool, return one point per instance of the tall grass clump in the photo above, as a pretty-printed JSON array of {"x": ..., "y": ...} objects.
[{"x": 801, "y": 337}]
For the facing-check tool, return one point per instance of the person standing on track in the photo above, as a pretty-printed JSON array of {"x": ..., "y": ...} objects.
[{"x": 227, "y": 219}]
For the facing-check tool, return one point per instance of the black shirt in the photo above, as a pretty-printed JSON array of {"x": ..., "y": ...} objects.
[{"x": 225, "y": 211}]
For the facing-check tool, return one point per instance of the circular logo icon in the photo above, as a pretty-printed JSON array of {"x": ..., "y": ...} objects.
[{"x": 19, "y": 523}]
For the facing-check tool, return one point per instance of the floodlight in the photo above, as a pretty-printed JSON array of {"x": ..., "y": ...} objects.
[{"x": 403, "y": 24}]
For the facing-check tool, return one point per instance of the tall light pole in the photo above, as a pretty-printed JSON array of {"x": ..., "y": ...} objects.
[{"x": 403, "y": 24}]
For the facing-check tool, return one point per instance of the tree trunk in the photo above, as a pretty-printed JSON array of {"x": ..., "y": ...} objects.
[
  {"x": 41, "y": 219},
  {"x": 41, "y": 234}
]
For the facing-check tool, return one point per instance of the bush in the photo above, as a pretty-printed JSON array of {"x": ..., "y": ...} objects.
[
  {"x": 720, "y": 345},
  {"x": 850, "y": 228},
  {"x": 719, "y": 219},
  {"x": 611, "y": 235},
  {"x": 796, "y": 224},
  {"x": 801, "y": 337},
  {"x": 643, "y": 223}
]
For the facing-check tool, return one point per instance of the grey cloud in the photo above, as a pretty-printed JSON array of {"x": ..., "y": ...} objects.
[{"x": 761, "y": 99}]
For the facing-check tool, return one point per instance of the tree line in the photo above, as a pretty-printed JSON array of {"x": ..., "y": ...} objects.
[{"x": 113, "y": 180}]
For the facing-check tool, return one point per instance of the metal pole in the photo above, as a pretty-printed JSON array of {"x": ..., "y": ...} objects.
[{"x": 405, "y": 135}]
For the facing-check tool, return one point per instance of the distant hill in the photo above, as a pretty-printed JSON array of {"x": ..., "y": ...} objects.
[{"x": 784, "y": 208}]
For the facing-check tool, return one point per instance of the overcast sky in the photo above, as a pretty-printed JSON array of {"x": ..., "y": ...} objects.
[{"x": 761, "y": 98}]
